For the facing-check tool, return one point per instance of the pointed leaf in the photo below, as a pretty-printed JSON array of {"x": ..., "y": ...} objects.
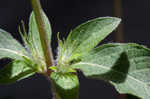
[
  {"x": 9, "y": 47},
  {"x": 87, "y": 35},
  {"x": 15, "y": 71},
  {"x": 126, "y": 66},
  {"x": 34, "y": 33},
  {"x": 66, "y": 85}
]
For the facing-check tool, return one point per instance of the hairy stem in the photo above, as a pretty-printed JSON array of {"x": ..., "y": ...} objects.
[
  {"x": 43, "y": 35},
  {"x": 44, "y": 40}
]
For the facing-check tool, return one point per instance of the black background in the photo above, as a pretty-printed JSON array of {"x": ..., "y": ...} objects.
[{"x": 64, "y": 16}]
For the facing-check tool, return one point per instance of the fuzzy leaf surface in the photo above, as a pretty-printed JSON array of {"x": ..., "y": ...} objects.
[
  {"x": 15, "y": 71},
  {"x": 9, "y": 47},
  {"x": 66, "y": 85},
  {"x": 34, "y": 32},
  {"x": 126, "y": 66},
  {"x": 87, "y": 35}
]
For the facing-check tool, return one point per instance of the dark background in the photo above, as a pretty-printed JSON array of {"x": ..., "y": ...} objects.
[{"x": 64, "y": 16}]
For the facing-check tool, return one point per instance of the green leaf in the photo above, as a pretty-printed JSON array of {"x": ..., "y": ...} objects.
[
  {"x": 9, "y": 47},
  {"x": 87, "y": 35},
  {"x": 126, "y": 66},
  {"x": 34, "y": 33},
  {"x": 66, "y": 85},
  {"x": 15, "y": 71}
]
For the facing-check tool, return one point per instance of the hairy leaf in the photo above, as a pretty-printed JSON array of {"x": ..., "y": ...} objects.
[
  {"x": 15, "y": 71},
  {"x": 87, "y": 35},
  {"x": 9, "y": 47},
  {"x": 34, "y": 36},
  {"x": 126, "y": 66},
  {"x": 66, "y": 85}
]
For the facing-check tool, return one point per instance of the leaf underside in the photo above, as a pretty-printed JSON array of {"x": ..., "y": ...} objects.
[{"x": 126, "y": 66}]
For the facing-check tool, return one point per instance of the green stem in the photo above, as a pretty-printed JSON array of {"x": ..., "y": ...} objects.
[
  {"x": 43, "y": 35},
  {"x": 44, "y": 41}
]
